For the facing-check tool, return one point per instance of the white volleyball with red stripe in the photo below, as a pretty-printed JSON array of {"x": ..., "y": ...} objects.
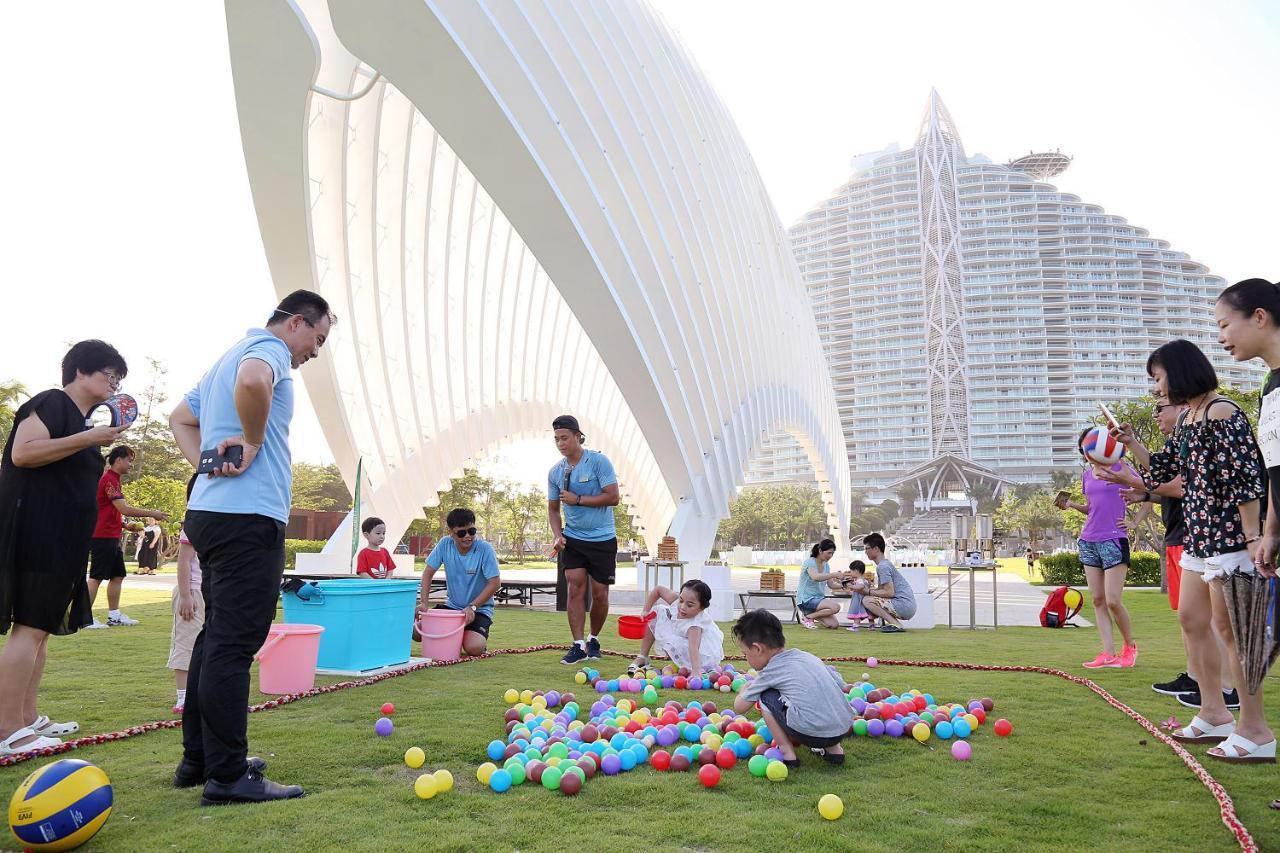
[{"x": 1099, "y": 446}]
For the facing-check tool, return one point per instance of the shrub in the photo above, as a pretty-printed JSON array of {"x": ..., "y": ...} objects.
[
  {"x": 293, "y": 547},
  {"x": 1065, "y": 569}
]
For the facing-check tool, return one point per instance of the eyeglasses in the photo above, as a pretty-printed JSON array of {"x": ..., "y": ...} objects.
[
  {"x": 465, "y": 531},
  {"x": 112, "y": 378},
  {"x": 1160, "y": 408}
]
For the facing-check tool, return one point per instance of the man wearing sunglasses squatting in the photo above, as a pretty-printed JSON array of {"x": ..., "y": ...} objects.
[{"x": 471, "y": 578}]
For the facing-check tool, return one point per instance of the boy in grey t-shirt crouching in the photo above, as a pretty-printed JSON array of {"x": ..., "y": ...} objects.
[{"x": 801, "y": 699}]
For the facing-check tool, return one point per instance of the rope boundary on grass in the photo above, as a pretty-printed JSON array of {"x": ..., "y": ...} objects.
[{"x": 1226, "y": 805}]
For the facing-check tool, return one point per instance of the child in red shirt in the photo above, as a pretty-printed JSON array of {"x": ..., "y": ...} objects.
[{"x": 375, "y": 561}]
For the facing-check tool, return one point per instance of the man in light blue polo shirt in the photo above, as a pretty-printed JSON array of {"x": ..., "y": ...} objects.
[
  {"x": 584, "y": 484},
  {"x": 235, "y": 520},
  {"x": 471, "y": 575}
]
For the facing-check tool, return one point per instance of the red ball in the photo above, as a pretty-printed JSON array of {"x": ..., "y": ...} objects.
[
  {"x": 588, "y": 766},
  {"x": 1004, "y": 728},
  {"x": 608, "y": 732},
  {"x": 709, "y": 708},
  {"x": 660, "y": 760},
  {"x": 590, "y": 733},
  {"x": 388, "y": 709},
  {"x": 919, "y": 703},
  {"x": 633, "y": 727},
  {"x": 872, "y": 712},
  {"x": 692, "y": 715},
  {"x": 670, "y": 718},
  {"x": 682, "y": 683},
  {"x": 709, "y": 775},
  {"x": 706, "y": 756},
  {"x": 726, "y": 758},
  {"x": 534, "y": 771},
  {"x": 512, "y": 749},
  {"x": 980, "y": 714},
  {"x": 679, "y": 763},
  {"x": 570, "y": 784},
  {"x": 511, "y": 716},
  {"x": 566, "y": 698},
  {"x": 988, "y": 705}
]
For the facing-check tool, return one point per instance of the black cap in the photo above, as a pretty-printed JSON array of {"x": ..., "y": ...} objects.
[{"x": 568, "y": 422}]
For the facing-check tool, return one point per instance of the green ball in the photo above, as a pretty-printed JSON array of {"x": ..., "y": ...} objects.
[
  {"x": 533, "y": 753},
  {"x": 518, "y": 774},
  {"x": 577, "y": 771},
  {"x": 758, "y": 765},
  {"x": 860, "y": 728},
  {"x": 731, "y": 737},
  {"x": 551, "y": 778},
  {"x": 558, "y": 750}
]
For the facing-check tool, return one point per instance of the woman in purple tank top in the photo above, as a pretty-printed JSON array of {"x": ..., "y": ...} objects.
[{"x": 1104, "y": 552}]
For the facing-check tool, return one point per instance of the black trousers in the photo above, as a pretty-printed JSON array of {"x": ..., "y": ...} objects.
[{"x": 242, "y": 560}]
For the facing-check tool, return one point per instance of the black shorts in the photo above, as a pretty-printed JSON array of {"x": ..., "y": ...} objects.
[
  {"x": 772, "y": 700},
  {"x": 600, "y": 559},
  {"x": 481, "y": 624},
  {"x": 106, "y": 559}
]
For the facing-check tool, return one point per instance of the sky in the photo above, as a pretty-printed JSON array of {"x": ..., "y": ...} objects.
[{"x": 128, "y": 213}]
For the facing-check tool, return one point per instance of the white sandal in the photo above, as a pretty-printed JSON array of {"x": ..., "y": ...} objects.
[
  {"x": 47, "y": 727},
  {"x": 1245, "y": 751},
  {"x": 7, "y": 747},
  {"x": 1209, "y": 733}
]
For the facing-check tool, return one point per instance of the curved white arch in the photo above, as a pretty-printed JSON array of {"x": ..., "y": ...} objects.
[{"x": 607, "y": 249}]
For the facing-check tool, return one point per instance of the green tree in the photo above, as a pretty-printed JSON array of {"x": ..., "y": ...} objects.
[
  {"x": 157, "y": 493},
  {"x": 1062, "y": 478},
  {"x": 908, "y": 493},
  {"x": 984, "y": 493},
  {"x": 319, "y": 488},
  {"x": 11, "y": 397},
  {"x": 153, "y": 442},
  {"x": 1034, "y": 516},
  {"x": 1247, "y": 399},
  {"x": 873, "y": 518},
  {"x": 891, "y": 509},
  {"x": 625, "y": 525},
  {"x": 523, "y": 510}
]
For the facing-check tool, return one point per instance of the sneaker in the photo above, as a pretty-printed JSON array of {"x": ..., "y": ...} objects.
[
  {"x": 576, "y": 654},
  {"x": 1182, "y": 684},
  {"x": 1102, "y": 660},
  {"x": 1128, "y": 657},
  {"x": 1191, "y": 698},
  {"x": 1232, "y": 699},
  {"x": 852, "y": 628},
  {"x": 806, "y": 622},
  {"x": 593, "y": 649},
  {"x": 116, "y": 621},
  {"x": 178, "y": 709},
  {"x": 96, "y": 624}
]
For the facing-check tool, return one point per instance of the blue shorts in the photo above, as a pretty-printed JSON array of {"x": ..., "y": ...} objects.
[
  {"x": 1104, "y": 555},
  {"x": 807, "y": 607}
]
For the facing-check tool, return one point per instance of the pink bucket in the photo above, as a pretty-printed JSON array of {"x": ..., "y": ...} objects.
[
  {"x": 287, "y": 660},
  {"x": 441, "y": 632}
]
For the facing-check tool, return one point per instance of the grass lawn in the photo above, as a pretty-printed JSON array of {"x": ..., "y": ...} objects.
[{"x": 1075, "y": 773}]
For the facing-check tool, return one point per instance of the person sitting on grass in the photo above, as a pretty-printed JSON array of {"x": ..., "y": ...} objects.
[
  {"x": 374, "y": 562},
  {"x": 471, "y": 577},
  {"x": 892, "y": 598},
  {"x": 801, "y": 699},
  {"x": 857, "y": 585},
  {"x": 814, "y": 607},
  {"x": 683, "y": 629}
]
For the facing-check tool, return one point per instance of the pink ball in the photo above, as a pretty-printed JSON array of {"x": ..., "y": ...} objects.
[
  {"x": 961, "y": 751},
  {"x": 873, "y": 663}
]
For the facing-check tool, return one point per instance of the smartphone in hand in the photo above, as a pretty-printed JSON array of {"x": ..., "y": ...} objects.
[{"x": 211, "y": 460}]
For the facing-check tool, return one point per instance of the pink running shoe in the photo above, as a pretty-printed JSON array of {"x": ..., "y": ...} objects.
[
  {"x": 1128, "y": 657},
  {"x": 808, "y": 623},
  {"x": 1102, "y": 660}
]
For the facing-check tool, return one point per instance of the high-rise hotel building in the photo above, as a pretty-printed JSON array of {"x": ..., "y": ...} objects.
[{"x": 970, "y": 311}]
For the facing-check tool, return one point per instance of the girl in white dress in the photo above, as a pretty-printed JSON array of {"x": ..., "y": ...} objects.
[{"x": 682, "y": 628}]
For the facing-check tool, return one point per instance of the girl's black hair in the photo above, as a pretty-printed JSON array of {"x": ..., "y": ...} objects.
[
  {"x": 700, "y": 589},
  {"x": 1188, "y": 371},
  {"x": 824, "y": 545},
  {"x": 858, "y": 566},
  {"x": 1251, "y": 294}
]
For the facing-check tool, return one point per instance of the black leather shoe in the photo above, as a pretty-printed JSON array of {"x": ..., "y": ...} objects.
[
  {"x": 188, "y": 775},
  {"x": 252, "y": 787}
]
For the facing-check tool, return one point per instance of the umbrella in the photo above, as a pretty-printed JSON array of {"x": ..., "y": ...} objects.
[{"x": 1251, "y": 604}]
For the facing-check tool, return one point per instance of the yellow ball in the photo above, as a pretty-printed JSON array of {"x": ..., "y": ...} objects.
[
  {"x": 830, "y": 806},
  {"x": 484, "y": 771},
  {"x": 426, "y": 786},
  {"x": 920, "y": 731},
  {"x": 414, "y": 757},
  {"x": 625, "y": 705},
  {"x": 712, "y": 740},
  {"x": 755, "y": 740},
  {"x": 580, "y": 677},
  {"x": 444, "y": 780},
  {"x": 972, "y": 720},
  {"x": 1072, "y": 598},
  {"x": 512, "y": 696},
  {"x": 776, "y": 771},
  {"x": 553, "y": 761},
  {"x": 527, "y": 697}
]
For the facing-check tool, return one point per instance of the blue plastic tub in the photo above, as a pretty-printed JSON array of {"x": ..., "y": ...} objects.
[{"x": 367, "y": 623}]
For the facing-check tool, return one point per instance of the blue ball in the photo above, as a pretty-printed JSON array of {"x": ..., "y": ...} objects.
[
  {"x": 500, "y": 780},
  {"x": 742, "y": 748},
  {"x": 628, "y": 759},
  {"x": 961, "y": 728},
  {"x": 496, "y": 750},
  {"x": 943, "y": 730},
  {"x": 613, "y": 685},
  {"x": 618, "y": 741}
]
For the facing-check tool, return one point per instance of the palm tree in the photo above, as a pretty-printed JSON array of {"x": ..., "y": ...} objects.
[{"x": 10, "y": 394}]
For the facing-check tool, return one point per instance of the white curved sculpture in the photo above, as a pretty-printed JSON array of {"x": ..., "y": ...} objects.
[{"x": 607, "y": 249}]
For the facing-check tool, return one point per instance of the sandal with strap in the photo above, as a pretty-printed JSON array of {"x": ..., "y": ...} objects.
[
  {"x": 829, "y": 757},
  {"x": 1244, "y": 751},
  {"x": 1201, "y": 731},
  {"x": 637, "y": 667},
  {"x": 7, "y": 746},
  {"x": 47, "y": 727}
]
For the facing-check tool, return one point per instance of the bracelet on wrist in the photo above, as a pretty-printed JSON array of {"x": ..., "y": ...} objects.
[{"x": 1249, "y": 540}]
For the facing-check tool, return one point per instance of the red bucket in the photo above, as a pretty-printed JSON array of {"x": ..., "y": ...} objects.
[{"x": 632, "y": 627}]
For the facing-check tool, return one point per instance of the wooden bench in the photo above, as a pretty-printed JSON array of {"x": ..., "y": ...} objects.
[{"x": 789, "y": 595}]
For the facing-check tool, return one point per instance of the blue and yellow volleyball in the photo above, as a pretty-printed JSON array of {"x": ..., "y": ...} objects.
[{"x": 60, "y": 806}]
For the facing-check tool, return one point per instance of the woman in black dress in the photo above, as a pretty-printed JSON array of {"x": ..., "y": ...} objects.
[{"x": 48, "y": 480}]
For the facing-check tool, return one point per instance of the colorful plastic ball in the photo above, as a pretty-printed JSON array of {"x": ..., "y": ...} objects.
[
  {"x": 426, "y": 786},
  {"x": 776, "y": 771},
  {"x": 830, "y": 806},
  {"x": 944, "y": 730},
  {"x": 680, "y": 763},
  {"x": 414, "y": 757},
  {"x": 570, "y": 783},
  {"x": 580, "y": 677},
  {"x": 551, "y": 778},
  {"x": 660, "y": 760},
  {"x": 1004, "y": 728},
  {"x": 773, "y": 754},
  {"x": 499, "y": 781},
  {"x": 444, "y": 780},
  {"x": 384, "y": 727},
  {"x": 873, "y": 663},
  {"x": 388, "y": 709},
  {"x": 961, "y": 728},
  {"x": 961, "y": 751},
  {"x": 893, "y": 728},
  {"x": 709, "y": 775},
  {"x": 484, "y": 771},
  {"x": 920, "y": 731},
  {"x": 627, "y": 760},
  {"x": 496, "y": 749},
  {"x": 757, "y": 765},
  {"x": 518, "y": 774},
  {"x": 726, "y": 758},
  {"x": 875, "y": 728},
  {"x": 60, "y": 806},
  {"x": 512, "y": 696},
  {"x": 611, "y": 765},
  {"x": 526, "y": 696},
  {"x": 860, "y": 728}
]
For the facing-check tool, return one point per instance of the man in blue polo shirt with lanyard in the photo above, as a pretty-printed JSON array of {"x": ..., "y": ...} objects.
[
  {"x": 235, "y": 520},
  {"x": 583, "y": 482}
]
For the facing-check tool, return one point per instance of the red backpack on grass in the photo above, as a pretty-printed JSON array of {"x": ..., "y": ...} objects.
[{"x": 1056, "y": 613}]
